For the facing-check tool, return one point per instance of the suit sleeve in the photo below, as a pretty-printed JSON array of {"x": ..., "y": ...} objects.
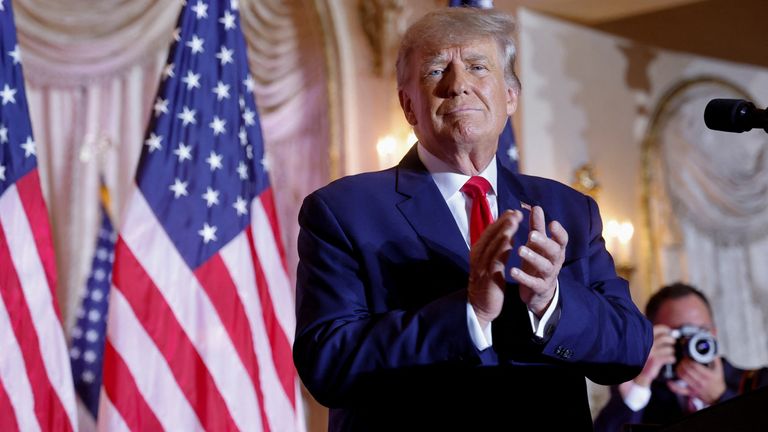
[
  {"x": 340, "y": 343},
  {"x": 599, "y": 329}
]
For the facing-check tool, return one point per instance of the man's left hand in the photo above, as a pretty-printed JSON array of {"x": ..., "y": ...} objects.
[
  {"x": 542, "y": 258},
  {"x": 703, "y": 382}
]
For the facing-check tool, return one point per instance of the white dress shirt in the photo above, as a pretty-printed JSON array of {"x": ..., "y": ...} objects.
[{"x": 450, "y": 183}]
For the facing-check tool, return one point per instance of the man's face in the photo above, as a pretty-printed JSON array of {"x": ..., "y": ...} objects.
[
  {"x": 456, "y": 96},
  {"x": 687, "y": 310}
]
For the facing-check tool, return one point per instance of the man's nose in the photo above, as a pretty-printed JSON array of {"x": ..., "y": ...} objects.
[{"x": 456, "y": 81}]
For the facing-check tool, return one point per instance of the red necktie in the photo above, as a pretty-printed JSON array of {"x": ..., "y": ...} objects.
[{"x": 480, "y": 215}]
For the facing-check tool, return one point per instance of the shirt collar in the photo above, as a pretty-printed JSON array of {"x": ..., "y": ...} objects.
[{"x": 447, "y": 180}]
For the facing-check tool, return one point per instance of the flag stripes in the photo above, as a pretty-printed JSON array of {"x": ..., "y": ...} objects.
[
  {"x": 243, "y": 299},
  {"x": 33, "y": 313},
  {"x": 18, "y": 400},
  {"x": 7, "y": 422},
  {"x": 217, "y": 283},
  {"x": 128, "y": 348}
]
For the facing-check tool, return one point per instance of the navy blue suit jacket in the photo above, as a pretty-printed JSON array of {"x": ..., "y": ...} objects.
[{"x": 381, "y": 291}]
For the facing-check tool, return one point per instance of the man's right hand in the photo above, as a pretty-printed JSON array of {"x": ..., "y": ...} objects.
[
  {"x": 662, "y": 353},
  {"x": 487, "y": 258}
]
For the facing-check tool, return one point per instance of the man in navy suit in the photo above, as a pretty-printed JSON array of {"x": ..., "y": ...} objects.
[
  {"x": 403, "y": 296},
  {"x": 650, "y": 398}
]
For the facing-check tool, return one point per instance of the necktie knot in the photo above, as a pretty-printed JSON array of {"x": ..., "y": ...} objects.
[
  {"x": 480, "y": 213},
  {"x": 476, "y": 186}
]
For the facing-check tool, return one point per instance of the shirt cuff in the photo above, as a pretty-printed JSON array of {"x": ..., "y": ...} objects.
[
  {"x": 539, "y": 324},
  {"x": 637, "y": 397},
  {"x": 482, "y": 338}
]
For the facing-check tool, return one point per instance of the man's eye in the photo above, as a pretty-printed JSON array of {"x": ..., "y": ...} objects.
[
  {"x": 435, "y": 72},
  {"x": 478, "y": 68}
]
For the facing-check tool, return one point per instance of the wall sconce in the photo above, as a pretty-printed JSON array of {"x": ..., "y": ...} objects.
[
  {"x": 391, "y": 150},
  {"x": 618, "y": 236}
]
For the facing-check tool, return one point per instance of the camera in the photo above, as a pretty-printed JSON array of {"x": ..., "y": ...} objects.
[{"x": 693, "y": 342}]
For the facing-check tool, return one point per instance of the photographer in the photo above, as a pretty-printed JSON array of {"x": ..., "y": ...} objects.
[{"x": 672, "y": 383}]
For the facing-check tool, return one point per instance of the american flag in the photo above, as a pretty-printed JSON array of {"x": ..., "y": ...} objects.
[
  {"x": 35, "y": 379},
  {"x": 201, "y": 310},
  {"x": 89, "y": 333},
  {"x": 506, "y": 153}
]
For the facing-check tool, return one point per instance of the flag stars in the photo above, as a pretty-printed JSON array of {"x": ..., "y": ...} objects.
[
  {"x": 168, "y": 71},
  {"x": 161, "y": 106},
  {"x": 240, "y": 206},
  {"x": 243, "y": 136},
  {"x": 99, "y": 275},
  {"x": 97, "y": 295},
  {"x": 211, "y": 197},
  {"x": 92, "y": 335},
  {"x": 8, "y": 95},
  {"x": 102, "y": 254},
  {"x": 214, "y": 160},
  {"x": 249, "y": 83},
  {"x": 2, "y": 173},
  {"x": 249, "y": 117},
  {"x": 29, "y": 147},
  {"x": 154, "y": 142},
  {"x": 218, "y": 125},
  {"x": 196, "y": 44},
  {"x": 187, "y": 116},
  {"x": 200, "y": 9},
  {"x": 192, "y": 80},
  {"x": 15, "y": 54},
  {"x": 183, "y": 152},
  {"x": 89, "y": 356},
  {"x": 512, "y": 153},
  {"x": 179, "y": 188},
  {"x": 94, "y": 316},
  {"x": 265, "y": 163},
  {"x": 228, "y": 20},
  {"x": 242, "y": 170},
  {"x": 221, "y": 90},
  {"x": 3, "y": 134},
  {"x": 208, "y": 233},
  {"x": 88, "y": 377},
  {"x": 225, "y": 55}
]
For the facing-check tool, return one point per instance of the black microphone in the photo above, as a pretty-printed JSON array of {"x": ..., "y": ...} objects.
[{"x": 734, "y": 115}]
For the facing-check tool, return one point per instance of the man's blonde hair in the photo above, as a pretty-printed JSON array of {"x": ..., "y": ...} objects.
[{"x": 456, "y": 25}]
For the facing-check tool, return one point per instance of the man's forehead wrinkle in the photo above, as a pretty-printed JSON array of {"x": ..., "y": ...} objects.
[{"x": 441, "y": 55}]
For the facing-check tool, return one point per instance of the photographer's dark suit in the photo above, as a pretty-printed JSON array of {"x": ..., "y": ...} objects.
[{"x": 664, "y": 406}]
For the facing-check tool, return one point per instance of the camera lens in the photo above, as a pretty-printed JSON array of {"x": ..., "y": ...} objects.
[{"x": 702, "y": 347}]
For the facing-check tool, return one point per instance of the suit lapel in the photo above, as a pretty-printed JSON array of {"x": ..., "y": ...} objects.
[
  {"x": 427, "y": 212},
  {"x": 512, "y": 196}
]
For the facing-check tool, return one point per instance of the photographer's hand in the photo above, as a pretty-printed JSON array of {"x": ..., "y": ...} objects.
[
  {"x": 703, "y": 382},
  {"x": 662, "y": 353}
]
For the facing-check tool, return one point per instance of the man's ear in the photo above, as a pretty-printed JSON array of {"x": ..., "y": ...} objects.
[
  {"x": 511, "y": 100},
  {"x": 407, "y": 106}
]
